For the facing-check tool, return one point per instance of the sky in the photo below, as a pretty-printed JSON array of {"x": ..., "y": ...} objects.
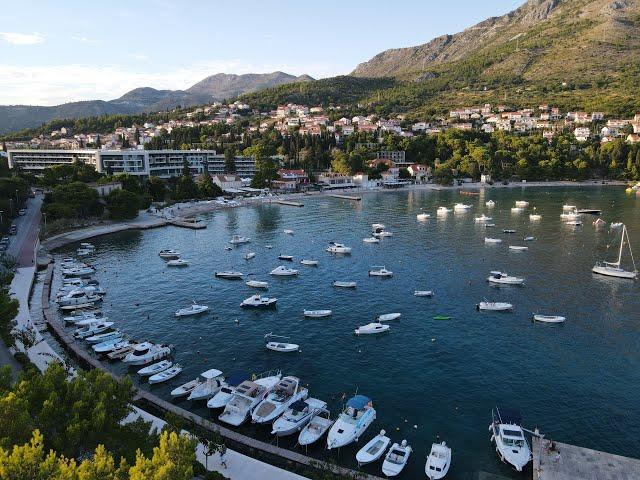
[{"x": 54, "y": 52}]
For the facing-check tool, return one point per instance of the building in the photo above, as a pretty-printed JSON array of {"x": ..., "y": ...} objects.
[
  {"x": 330, "y": 180},
  {"x": 228, "y": 183},
  {"x": 290, "y": 180},
  {"x": 421, "y": 173},
  {"x": 34, "y": 161},
  {"x": 105, "y": 188},
  {"x": 582, "y": 134}
]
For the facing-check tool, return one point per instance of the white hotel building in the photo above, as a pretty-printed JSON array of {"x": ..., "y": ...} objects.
[{"x": 145, "y": 163}]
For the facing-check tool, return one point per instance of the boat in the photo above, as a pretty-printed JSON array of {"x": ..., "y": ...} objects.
[
  {"x": 494, "y": 306},
  {"x": 461, "y": 207},
  {"x": 614, "y": 269},
  {"x": 388, "y": 317},
  {"x": 258, "y": 301},
  {"x": 209, "y": 383},
  {"x": 382, "y": 234},
  {"x": 87, "y": 245},
  {"x": 534, "y": 217},
  {"x": 421, "y": 217},
  {"x": 249, "y": 255},
  {"x": 83, "y": 252},
  {"x": 522, "y": 204},
  {"x": 571, "y": 215},
  {"x": 309, "y": 263},
  {"x": 590, "y": 211},
  {"x": 268, "y": 247},
  {"x": 438, "y": 462},
  {"x": 442, "y": 210},
  {"x": 297, "y": 416},
  {"x": 110, "y": 345},
  {"x": 380, "y": 271},
  {"x": 503, "y": 278},
  {"x": 529, "y": 239},
  {"x": 178, "y": 262},
  {"x": 339, "y": 284},
  {"x": 77, "y": 297},
  {"x": 283, "y": 271},
  {"x": 442, "y": 317},
  {"x": 508, "y": 230},
  {"x": 516, "y": 210},
  {"x": 377, "y": 226},
  {"x": 482, "y": 219},
  {"x": 193, "y": 309},
  {"x": 185, "y": 389},
  {"x": 354, "y": 420},
  {"x": 256, "y": 284},
  {"x": 423, "y": 293},
  {"x": 145, "y": 353},
  {"x": 87, "y": 289},
  {"x": 373, "y": 449},
  {"x": 396, "y": 459},
  {"x": 239, "y": 240},
  {"x": 92, "y": 329},
  {"x": 548, "y": 318},
  {"x": 288, "y": 258},
  {"x": 569, "y": 208},
  {"x": 492, "y": 240},
  {"x": 282, "y": 347},
  {"x": 286, "y": 392},
  {"x": 230, "y": 275},
  {"x": 103, "y": 337},
  {"x": 228, "y": 248},
  {"x": 121, "y": 352},
  {"x": 168, "y": 254},
  {"x": 490, "y": 203},
  {"x": 92, "y": 315},
  {"x": 574, "y": 223},
  {"x": 317, "y": 313},
  {"x": 489, "y": 225},
  {"x": 372, "y": 329},
  {"x": 165, "y": 375},
  {"x": 508, "y": 435},
  {"x": 288, "y": 232},
  {"x": 338, "y": 248},
  {"x": 371, "y": 240},
  {"x": 316, "y": 428},
  {"x": 518, "y": 248},
  {"x": 220, "y": 399},
  {"x": 155, "y": 368},
  {"x": 246, "y": 397}
]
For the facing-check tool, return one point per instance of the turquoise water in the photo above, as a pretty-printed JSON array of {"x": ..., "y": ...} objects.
[{"x": 577, "y": 382}]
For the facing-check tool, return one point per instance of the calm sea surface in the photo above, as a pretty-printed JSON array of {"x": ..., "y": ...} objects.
[{"x": 578, "y": 382}]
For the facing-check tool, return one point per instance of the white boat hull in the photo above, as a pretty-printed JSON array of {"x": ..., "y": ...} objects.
[{"x": 614, "y": 272}]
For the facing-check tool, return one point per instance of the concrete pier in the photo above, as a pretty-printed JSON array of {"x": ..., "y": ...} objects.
[
  {"x": 346, "y": 197},
  {"x": 186, "y": 223},
  {"x": 569, "y": 462},
  {"x": 289, "y": 203}
]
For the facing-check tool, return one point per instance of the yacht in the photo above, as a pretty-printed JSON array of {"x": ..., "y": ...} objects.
[
  {"x": 338, "y": 248},
  {"x": 286, "y": 392},
  {"x": 309, "y": 263},
  {"x": 257, "y": 301},
  {"x": 352, "y": 422},
  {"x": 168, "y": 254},
  {"x": 396, "y": 459},
  {"x": 371, "y": 240},
  {"x": 614, "y": 269},
  {"x": 257, "y": 284},
  {"x": 178, "y": 262},
  {"x": 220, "y": 399},
  {"x": 297, "y": 416},
  {"x": 438, "y": 462},
  {"x": 372, "y": 329},
  {"x": 373, "y": 449},
  {"x": 193, "y": 309},
  {"x": 380, "y": 271},
  {"x": 483, "y": 218},
  {"x": 316, "y": 428},
  {"x": 92, "y": 329},
  {"x": 239, "y": 240},
  {"x": 209, "y": 383},
  {"x": 145, "y": 353},
  {"x": 229, "y": 275},
  {"x": 421, "y": 217},
  {"x": 508, "y": 435},
  {"x": 246, "y": 397},
  {"x": 77, "y": 297},
  {"x": 494, "y": 306},
  {"x": 283, "y": 271},
  {"x": 504, "y": 278}
]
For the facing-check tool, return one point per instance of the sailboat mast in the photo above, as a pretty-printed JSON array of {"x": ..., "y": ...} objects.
[{"x": 624, "y": 230}]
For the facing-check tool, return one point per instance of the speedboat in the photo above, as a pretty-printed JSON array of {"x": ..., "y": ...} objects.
[
  {"x": 229, "y": 275},
  {"x": 490, "y": 203},
  {"x": 396, "y": 459},
  {"x": 282, "y": 347},
  {"x": 504, "y": 278},
  {"x": 516, "y": 209},
  {"x": 93, "y": 315},
  {"x": 209, "y": 384},
  {"x": 339, "y": 284},
  {"x": 309, "y": 263},
  {"x": 442, "y": 210},
  {"x": 423, "y": 293},
  {"x": 438, "y": 462},
  {"x": 380, "y": 271},
  {"x": 92, "y": 329},
  {"x": 492, "y": 240},
  {"x": 257, "y": 301},
  {"x": 169, "y": 254},
  {"x": 483, "y": 218},
  {"x": 286, "y": 392},
  {"x": 522, "y": 204},
  {"x": 249, "y": 255},
  {"x": 256, "y": 284},
  {"x": 165, "y": 375},
  {"x": 382, "y": 234},
  {"x": 121, "y": 352},
  {"x": 185, "y": 388},
  {"x": 377, "y": 226},
  {"x": 288, "y": 258},
  {"x": 155, "y": 368},
  {"x": 508, "y": 230},
  {"x": 316, "y": 428},
  {"x": 283, "y": 271},
  {"x": 145, "y": 353},
  {"x": 178, "y": 262},
  {"x": 508, "y": 435},
  {"x": 373, "y": 449},
  {"x": 297, "y": 416},
  {"x": 494, "y": 306},
  {"x": 77, "y": 297},
  {"x": 518, "y": 248},
  {"x": 352, "y": 422},
  {"x": 387, "y": 317},
  {"x": 220, "y": 399},
  {"x": 78, "y": 271},
  {"x": 193, "y": 309},
  {"x": 103, "y": 337},
  {"x": 110, "y": 345},
  {"x": 90, "y": 321},
  {"x": 614, "y": 269},
  {"x": 288, "y": 232},
  {"x": 421, "y": 217},
  {"x": 246, "y": 397},
  {"x": 88, "y": 289},
  {"x": 338, "y": 248},
  {"x": 534, "y": 217},
  {"x": 548, "y": 318},
  {"x": 461, "y": 207},
  {"x": 372, "y": 329},
  {"x": 317, "y": 313},
  {"x": 239, "y": 240},
  {"x": 371, "y": 240}
]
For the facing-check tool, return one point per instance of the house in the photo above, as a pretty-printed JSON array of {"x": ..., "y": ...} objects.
[
  {"x": 486, "y": 178},
  {"x": 487, "y": 128},
  {"x": 290, "y": 180},
  {"x": 582, "y": 134},
  {"x": 330, "y": 180},
  {"x": 228, "y": 183},
  {"x": 421, "y": 173},
  {"x": 420, "y": 126},
  {"x": 106, "y": 188},
  {"x": 633, "y": 138}
]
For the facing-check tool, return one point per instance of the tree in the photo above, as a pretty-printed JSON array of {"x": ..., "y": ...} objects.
[
  {"x": 339, "y": 162},
  {"x": 230, "y": 160},
  {"x": 75, "y": 199},
  {"x": 206, "y": 187},
  {"x": 123, "y": 204},
  {"x": 157, "y": 188},
  {"x": 404, "y": 174},
  {"x": 172, "y": 459}
]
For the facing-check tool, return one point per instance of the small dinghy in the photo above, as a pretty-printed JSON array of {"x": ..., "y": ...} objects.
[
  {"x": 309, "y": 263},
  {"x": 282, "y": 347},
  {"x": 387, "y": 317},
  {"x": 229, "y": 275},
  {"x": 374, "y": 449},
  {"x": 371, "y": 240},
  {"x": 421, "y": 217},
  {"x": 193, "y": 309},
  {"x": 249, "y": 255},
  {"x": 442, "y": 317},
  {"x": 165, "y": 375},
  {"x": 396, "y": 459},
  {"x": 288, "y": 258},
  {"x": 372, "y": 329},
  {"x": 338, "y": 284},
  {"x": 492, "y": 240},
  {"x": 256, "y": 284},
  {"x": 518, "y": 248},
  {"x": 317, "y": 313},
  {"x": 185, "y": 389},
  {"x": 548, "y": 318},
  {"x": 177, "y": 263},
  {"x": 494, "y": 306},
  {"x": 315, "y": 429},
  {"x": 438, "y": 462},
  {"x": 257, "y": 301},
  {"x": 423, "y": 293},
  {"x": 155, "y": 368}
]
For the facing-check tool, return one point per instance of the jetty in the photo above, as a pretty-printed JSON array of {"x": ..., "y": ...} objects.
[
  {"x": 186, "y": 223},
  {"x": 289, "y": 203},
  {"x": 346, "y": 197}
]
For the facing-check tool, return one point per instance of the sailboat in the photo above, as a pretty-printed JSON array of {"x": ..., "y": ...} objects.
[{"x": 613, "y": 269}]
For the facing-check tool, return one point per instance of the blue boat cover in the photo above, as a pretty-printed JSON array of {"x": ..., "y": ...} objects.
[
  {"x": 358, "y": 402},
  {"x": 237, "y": 378}
]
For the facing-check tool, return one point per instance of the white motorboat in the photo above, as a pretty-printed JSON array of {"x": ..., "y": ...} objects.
[
  {"x": 388, "y": 317},
  {"x": 377, "y": 226},
  {"x": 256, "y": 284},
  {"x": 535, "y": 217},
  {"x": 574, "y": 223},
  {"x": 209, "y": 383},
  {"x": 490, "y": 203},
  {"x": 529, "y": 239},
  {"x": 103, "y": 337},
  {"x": 548, "y": 318},
  {"x": 145, "y": 353},
  {"x": 155, "y": 368},
  {"x": 338, "y": 248},
  {"x": 569, "y": 208},
  {"x": 423, "y": 293},
  {"x": 288, "y": 258},
  {"x": 165, "y": 375},
  {"x": 93, "y": 315},
  {"x": 168, "y": 254},
  {"x": 438, "y": 462},
  {"x": 371, "y": 240},
  {"x": 522, "y": 204},
  {"x": 614, "y": 269},
  {"x": 249, "y": 255},
  {"x": 503, "y": 278},
  {"x": 121, "y": 352},
  {"x": 185, "y": 389},
  {"x": 286, "y": 392},
  {"x": 87, "y": 245},
  {"x": 239, "y": 240},
  {"x": 178, "y": 262},
  {"x": 92, "y": 329},
  {"x": 492, "y": 240},
  {"x": 508, "y": 230},
  {"x": 483, "y": 219},
  {"x": 83, "y": 252},
  {"x": 220, "y": 399},
  {"x": 315, "y": 429},
  {"x": 352, "y": 422},
  {"x": 90, "y": 290},
  {"x": 258, "y": 301},
  {"x": 382, "y": 234},
  {"x": 339, "y": 284},
  {"x": 77, "y": 297},
  {"x": 380, "y": 271},
  {"x": 494, "y": 306},
  {"x": 78, "y": 271},
  {"x": 461, "y": 207},
  {"x": 421, "y": 217},
  {"x": 283, "y": 271},
  {"x": 297, "y": 416},
  {"x": 90, "y": 321},
  {"x": 268, "y": 247},
  {"x": 372, "y": 329},
  {"x": 230, "y": 275},
  {"x": 516, "y": 209},
  {"x": 518, "y": 248},
  {"x": 571, "y": 215},
  {"x": 110, "y": 345},
  {"x": 282, "y": 346},
  {"x": 288, "y": 232},
  {"x": 508, "y": 435},
  {"x": 442, "y": 210},
  {"x": 309, "y": 263},
  {"x": 246, "y": 397},
  {"x": 317, "y": 313},
  {"x": 396, "y": 459},
  {"x": 373, "y": 449},
  {"x": 193, "y": 309}
]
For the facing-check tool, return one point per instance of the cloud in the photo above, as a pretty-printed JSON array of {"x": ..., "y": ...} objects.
[
  {"x": 82, "y": 39},
  {"x": 140, "y": 56},
  {"x": 22, "y": 38}
]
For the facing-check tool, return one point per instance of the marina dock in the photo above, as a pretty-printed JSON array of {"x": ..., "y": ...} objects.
[
  {"x": 346, "y": 197},
  {"x": 288, "y": 203},
  {"x": 569, "y": 462}
]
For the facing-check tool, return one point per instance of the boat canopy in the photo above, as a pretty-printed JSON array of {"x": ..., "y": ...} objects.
[
  {"x": 358, "y": 402},
  {"x": 298, "y": 406},
  {"x": 509, "y": 415},
  {"x": 213, "y": 373},
  {"x": 237, "y": 378}
]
